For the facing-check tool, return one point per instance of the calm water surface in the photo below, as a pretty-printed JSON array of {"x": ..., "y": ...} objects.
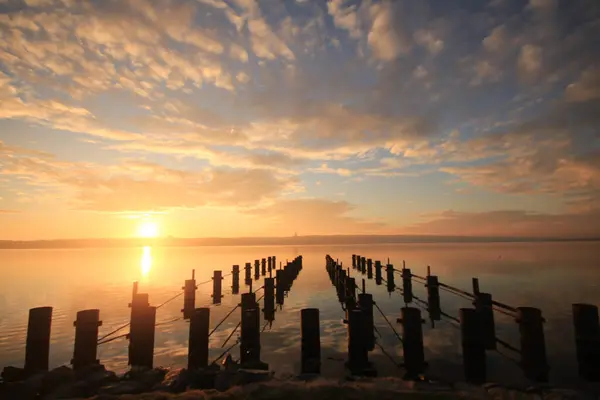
[{"x": 550, "y": 276}]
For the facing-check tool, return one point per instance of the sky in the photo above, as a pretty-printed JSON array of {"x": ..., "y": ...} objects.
[{"x": 211, "y": 118}]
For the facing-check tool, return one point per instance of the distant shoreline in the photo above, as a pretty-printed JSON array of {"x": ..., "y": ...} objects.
[{"x": 337, "y": 240}]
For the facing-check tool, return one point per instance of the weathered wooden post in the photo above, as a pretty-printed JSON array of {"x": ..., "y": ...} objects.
[
  {"x": 141, "y": 336},
  {"x": 274, "y": 263},
  {"x": 412, "y": 341},
  {"x": 248, "y": 273},
  {"x": 433, "y": 296},
  {"x": 217, "y": 281},
  {"x": 235, "y": 279},
  {"x": 250, "y": 330},
  {"x": 473, "y": 346},
  {"x": 350, "y": 287},
  {"x": 256, "y": 269},
  {"x": 269, "y": 294},
  {"x": 533, "y": 343},
  {"x": 378, "y": 273},
  {"x": 353, "y": 260},
  {"x": 475, "y": 286},
  {"x": 483, "y": 306},
  {"x": 365, "y": 303},
  {"x": 86, "y": 339},
  {"x": 189, "y": 296},
  {"x": 311, "y": 341},
  {"x": 198, "y": 339},
  {"x": 358, "y": 353},
  {"x": 587, "y": 340},
  {"x": 369, "y": 269},
  {"x": 37, "y": 345},
  {"x": 391, "y": 286},
  {"x": 269, "y": 265},
  {"x": 363, "y": 265},
  {"x": 279, "y": 289},
  {"x": 407, "y": 292},
  {"x": 263, "y": 263}
]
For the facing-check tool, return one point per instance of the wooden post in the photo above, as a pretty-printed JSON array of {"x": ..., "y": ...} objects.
[
  {"x": 407, "y": 285},
  {"x": 189, "y": 297},
  {"x": 412, "y": 341},
  {"x": 533, "y": 344},
  {"x": 250, "y": 329},
  {"x": 363, "y": 265},
  {"x": 263, "y": 271},
  {"x": 483, "y": 305},
  {"x": 269, "y": 265},
  {"x": 433, "y": 297},
  {"x": 279, "y": 289},
  {"x": 274, "y": 263},
  {"x": 86, "y": 339},
  {"x": 378, "y": 273},
  {"x": 358, "y": 353},
  {"x": 369, "y": 269},
  {"x": 311, "y": 341},
  {"x": 353, "y": 260},
  {"x": 248, "y": 274},
  {"x": 365, "y": 303},
  {"x": 350, "y": 287},
  {"x": 475, "y": 286},
  {"x": 587, "y": 340},
  {"x": 473, "y": 346},
  {"x": 269, "y": 294},
  {"x": 37, "y": 347},
  {"x": 141, "y": 336},
  {"x": 256, "y": 269},
  {"x": 217, "y": 281},
  {"x": 235, "y": 279},
  {"x": 389, "y": 269},
  {"x": 198, "y": 339}
]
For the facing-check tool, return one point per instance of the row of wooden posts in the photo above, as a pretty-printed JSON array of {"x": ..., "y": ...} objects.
[
  {"x": 477, "y": 324},
  {"x": 143, "y": 322}
]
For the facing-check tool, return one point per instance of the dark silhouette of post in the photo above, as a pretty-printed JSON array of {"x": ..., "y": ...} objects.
[
  {"x": 263, "y": 267},
  {"x": 217, "y": 283},
  {"x": 473, "y": 346},
  {"x": 353, "y": 260},
  {"x": 248, "y": 274},
  {"x": 412, "y": 341},
  {"x": 235, "y": 279},
  {"x": 369, "y": 269},
  {"x": 365, "y": 303},
  {"x": 407, "y": 292},
  {"x": 256, "y": 269},
  {"x": 587, "y": 340},
  {"x": 189, "y": 296},
  {"x": 311, "y": 341},
  {"x": 86, "y": 339},
  {"x": 250, "y": 330},
  {"x": 378, "y": 277},
  {"x": 533, "y": 343},
  {"x": 37, "y": 347},
  {"x": 198, "y": 339},
  {"x": 483, "y": 305},
  {"x": 391, "y": 286},
  {"x": 433, "y": 297},
  {"x": 141, "y": 336}
]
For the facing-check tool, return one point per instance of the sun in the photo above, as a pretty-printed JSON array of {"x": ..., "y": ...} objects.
[{"x": 148, "y": 229}]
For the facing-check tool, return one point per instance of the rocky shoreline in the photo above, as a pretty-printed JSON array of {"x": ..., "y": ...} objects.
[{"x": 229, "y": 382}]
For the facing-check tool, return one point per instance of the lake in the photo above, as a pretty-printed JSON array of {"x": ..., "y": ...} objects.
[{"x": 550, "y": 276}]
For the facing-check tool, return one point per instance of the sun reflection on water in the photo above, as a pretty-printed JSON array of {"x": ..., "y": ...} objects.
[{"x": 146, "y": 261}]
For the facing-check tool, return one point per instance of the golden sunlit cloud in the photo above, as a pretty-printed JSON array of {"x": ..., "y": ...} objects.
[{"x": 148, "y": 229}]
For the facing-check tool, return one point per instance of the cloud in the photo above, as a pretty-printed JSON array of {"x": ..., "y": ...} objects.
[
  {"x": 306, "y": 216},
  {"x": 512, "y": 223},
  {"x": 387, "y": 38},
  {"x": 586, "y": 87},
  {"x": 530, "y": 60}
]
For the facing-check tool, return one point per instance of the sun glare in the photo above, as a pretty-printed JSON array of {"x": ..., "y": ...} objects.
[
  {"x": 146, "y": 262},
  {"x": 148, "y": 229}
]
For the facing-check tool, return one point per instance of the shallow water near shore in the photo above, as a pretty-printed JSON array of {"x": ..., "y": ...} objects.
[{"x": 550, "y": 276}]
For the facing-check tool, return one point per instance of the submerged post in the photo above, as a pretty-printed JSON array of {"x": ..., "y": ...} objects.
[
  {"x": 587, "y": 340},
  {"x": 473, "y": 346},
  {"x": 263, "y": 267},
  {"x": 378, "y": 273},
  {"x": 407, "y": 293},
  {"x": 279, "y": 289},
  {"x": 363, "y": 265},
  {"x": 189, "y": 296},
  {"x": 269, "y": 294},
  {"x": 483, "y": 305},
  {"x": 533, "y": 344},
  {"x": 389, "y": 269},
  {"x": 217, "y": 280},
  {"x": 141, "y": 336},
  {"x": 250, "y": 330},
  {"x": 365, "y": 303},
  {"x": 37, "y": 347},
  {"x": 256, "y": 269},
  {"x": 248, "y": 274},
  {"x": 311, "y": 341},
  {"x": 353, "y": 260},
  {"x": 412, "y": 342},
  {"x": 86, "y": 339},
  {"x": 369, "y": 269},
  {"x": 235, "y": 279},
  {"x": 198, "y": 339},
  {"x": 433, "y": 297}
]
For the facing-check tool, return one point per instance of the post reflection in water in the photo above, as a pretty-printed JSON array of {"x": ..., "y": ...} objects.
[{"x": 146, "y": 262}]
